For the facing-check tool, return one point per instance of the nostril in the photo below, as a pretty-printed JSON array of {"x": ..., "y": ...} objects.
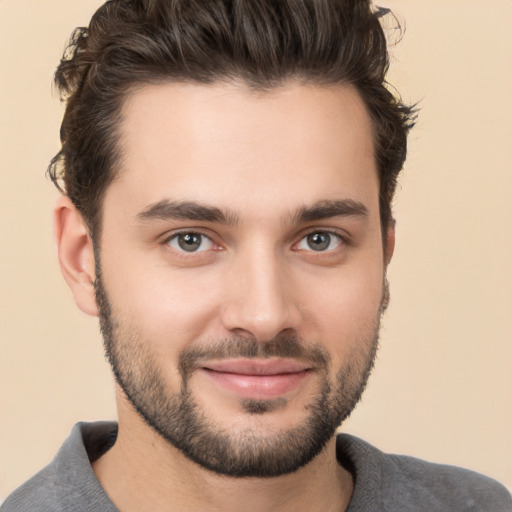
[{"x": 259, "y": 303}]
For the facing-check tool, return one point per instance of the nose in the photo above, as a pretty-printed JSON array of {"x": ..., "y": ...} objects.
[{"x": 260, "y": 302}]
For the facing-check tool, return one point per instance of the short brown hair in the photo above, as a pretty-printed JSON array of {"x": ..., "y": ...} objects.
[{"x": 261, "y": 42}]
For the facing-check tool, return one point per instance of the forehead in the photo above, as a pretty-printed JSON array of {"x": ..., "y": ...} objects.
[{"x": 235, "y": 147}]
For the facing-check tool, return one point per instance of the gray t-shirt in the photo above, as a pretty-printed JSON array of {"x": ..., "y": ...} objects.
[{"x": 383, "y": 483}]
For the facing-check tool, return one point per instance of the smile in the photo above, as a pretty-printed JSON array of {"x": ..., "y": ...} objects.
[{"x": 257, "y": 379}]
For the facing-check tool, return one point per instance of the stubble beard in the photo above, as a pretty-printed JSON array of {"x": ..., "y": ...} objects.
[{"x": 179, "y": 420}]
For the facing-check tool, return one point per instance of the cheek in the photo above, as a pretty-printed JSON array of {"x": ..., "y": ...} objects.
[
  {"x": 344, "y": 311},
  {"x": 167, "y": 309}
]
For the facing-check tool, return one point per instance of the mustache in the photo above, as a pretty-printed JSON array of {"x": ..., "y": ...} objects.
[{"x": 285, "y": 346}]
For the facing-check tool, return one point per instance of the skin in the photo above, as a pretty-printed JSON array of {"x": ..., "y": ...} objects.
[{"x": 260, "y": 158}]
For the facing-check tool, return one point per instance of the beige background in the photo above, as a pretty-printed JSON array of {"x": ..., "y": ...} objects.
[{"x": 442, "y": 389}]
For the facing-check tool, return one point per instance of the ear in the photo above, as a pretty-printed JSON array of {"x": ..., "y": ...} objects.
[
  {"x": 389, "y": 248},
  {"x": 76, "y": 255}
]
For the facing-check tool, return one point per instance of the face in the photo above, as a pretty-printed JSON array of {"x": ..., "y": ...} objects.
[{"x": 240, "y": 269}]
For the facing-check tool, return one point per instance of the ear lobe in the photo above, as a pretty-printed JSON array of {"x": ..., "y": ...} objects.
[
  {"x": 389, "y": 249},
  {"x": 76, "y": 254}
]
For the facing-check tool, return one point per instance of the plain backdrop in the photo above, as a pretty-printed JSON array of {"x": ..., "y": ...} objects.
[{"x": 442, "y": 388}]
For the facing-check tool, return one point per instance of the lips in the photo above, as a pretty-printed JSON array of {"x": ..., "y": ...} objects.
[{"x": 257, "y": 379}]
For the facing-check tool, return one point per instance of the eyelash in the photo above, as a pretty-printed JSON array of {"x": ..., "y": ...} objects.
[
  {"x": 341, "y": 238},
  {"x": 175, "y": 236}
]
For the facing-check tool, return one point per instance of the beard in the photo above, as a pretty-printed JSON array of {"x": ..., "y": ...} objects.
[{"x": 177, "y": 417}]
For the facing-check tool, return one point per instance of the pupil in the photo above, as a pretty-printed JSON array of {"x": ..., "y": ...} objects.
[
  {"x": 189, "y": 242},
  {"x": 319, "y": 241}
]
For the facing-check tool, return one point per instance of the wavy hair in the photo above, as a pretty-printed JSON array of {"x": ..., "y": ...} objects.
[{"x": 263, "y": 43}]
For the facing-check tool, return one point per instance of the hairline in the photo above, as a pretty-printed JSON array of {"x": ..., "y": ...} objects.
[{"x": 263, "y": 88}]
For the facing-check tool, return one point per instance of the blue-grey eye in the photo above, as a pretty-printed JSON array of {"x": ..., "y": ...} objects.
[
  {"x": 320, "y": 241},
  {"x": 190, "y": 242}
]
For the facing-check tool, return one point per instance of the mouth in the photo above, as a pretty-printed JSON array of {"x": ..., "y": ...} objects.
[{"x": 262, "y": 379}]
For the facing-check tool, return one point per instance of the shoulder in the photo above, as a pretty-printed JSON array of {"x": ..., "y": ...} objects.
[
  {"x": 68, "y": 483},
  {"x": 400, "y": 482},
  {"x": 444, "y": 486},
  {"x": 34, "y": 494}
]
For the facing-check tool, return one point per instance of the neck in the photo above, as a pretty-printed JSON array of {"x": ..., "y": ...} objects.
[{"x": 143, "y": 472}]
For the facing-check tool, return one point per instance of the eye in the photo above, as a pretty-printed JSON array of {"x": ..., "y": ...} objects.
[
  {"x": 320, "y": 241},
  {"x": 190, "y": 242}
]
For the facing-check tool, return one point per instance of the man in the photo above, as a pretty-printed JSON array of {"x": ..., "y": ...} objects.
[{"x": 228, "y": 170}]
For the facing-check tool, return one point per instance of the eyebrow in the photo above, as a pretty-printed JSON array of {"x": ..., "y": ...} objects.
[
  {"x": 328, "y": 209},
  {"x": 186, "y": 210},
  {"x": 193, "y": 211}
]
